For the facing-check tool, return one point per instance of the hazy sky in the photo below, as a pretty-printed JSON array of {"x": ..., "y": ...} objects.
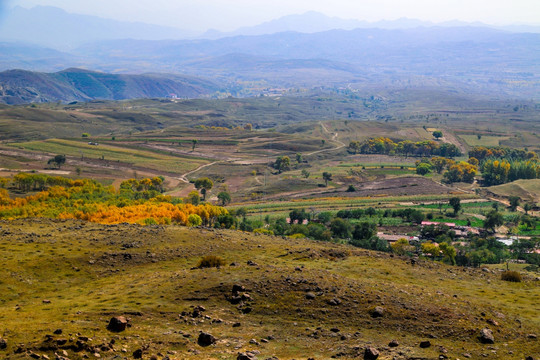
[{"x": 231, "y": 14}]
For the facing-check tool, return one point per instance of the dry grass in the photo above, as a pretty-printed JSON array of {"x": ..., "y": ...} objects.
[{"x": 90, "y": 272}]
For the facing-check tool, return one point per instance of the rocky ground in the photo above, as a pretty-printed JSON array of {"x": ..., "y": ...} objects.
[{"x": 76, "y": 290}]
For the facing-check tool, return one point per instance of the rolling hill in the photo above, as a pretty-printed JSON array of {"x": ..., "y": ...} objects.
[
  {"x": 278, "y": 298},
  {"x": 20, "y": 86}
]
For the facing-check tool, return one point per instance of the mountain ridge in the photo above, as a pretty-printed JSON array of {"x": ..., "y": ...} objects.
[{"x": 74, "y": 84}]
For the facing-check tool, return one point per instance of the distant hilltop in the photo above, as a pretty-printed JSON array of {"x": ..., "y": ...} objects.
[{"x": 20, "y": 86}]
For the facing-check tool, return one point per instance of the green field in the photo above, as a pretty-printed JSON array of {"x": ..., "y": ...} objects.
[
  {"x": 485, "y": 140},
  {"x": 134, "y": 157}
]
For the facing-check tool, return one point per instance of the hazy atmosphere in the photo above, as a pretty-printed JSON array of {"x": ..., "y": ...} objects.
[
  {"x": 227, "y": 15},
  {"x": 269, "y": 179}
]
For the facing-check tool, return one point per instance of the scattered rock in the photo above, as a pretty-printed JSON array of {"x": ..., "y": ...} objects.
[
  {"x": 246, "y": 356},
  {"x": 237, "y": 288},
  {"x": 425, "y": 344},
  {"x": 46, "y": 301},
  {"x": 57, "y": 332},
  {"x": 371, "y": 353},
  {"x": 393, "y": 343},
  {"x": 377, "y": 312},
  {"x": 236, "y": 324},
  {"x": 310, "y": 296},
  {"x": 117, "y": 324},
  {"x": 492, "y": 322},
  {"x": 530, "y": 336},
  {"x": 206, "y": 339},
  {"x": 137, "y": 354},
  {"x": 486, "y": 336},
  {"x": 197, "y": 311},
  {"x": 334, "y": 302},
  {"x": 3, "y": 343}
]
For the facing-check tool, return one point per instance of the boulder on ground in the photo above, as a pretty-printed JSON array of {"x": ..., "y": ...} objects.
[
  {"x": 486, "y": 336},
  {"x": 117, "y": 324},
  {"x": 206, "y": 339},
  {"x": 371, "y": 353},
  {"x": 3, "y": 343},
  {"x": 377, "y": 312},
  {"x": 246, "y": 356},
  {"x": 393, "y": 343},
  {"x": 137, "y": 354}
]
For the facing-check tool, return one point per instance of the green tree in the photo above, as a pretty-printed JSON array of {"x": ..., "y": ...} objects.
[
  {"x": 423, "y": 169},
  {"x": 437, "y": 134},
  {"x": 514, "y": 202},
  {"x": 204, "y": 184},
  {"x": 305, "y": 173},
  {"x": 529, "y": 222},
  {"x": 449, "y": 253},
  {"x": 241, "y": 212},
  {"x": 194, "y": 220},
  {"x": 401, "y": 246},
  {"x": 298, "y": 216},
  {"x": 282, "y": 163},
  {"x": 493, "y": 219},
  {"x": 431, "y": 248},
  {"x": 57, "y": 161},
  {"x": 193, "y": 144},
  {"x": 527, "y": 207},
  {"x": 340, "y": 228},
  {"x": 455, "y": 203},
  {"x": 364, "y": 231},
  {"x": 193, "y": 198},
  {"x": 224, "y": 197},
  {"x": 299, "y": 158},
  {"x": 326, "y": 177}
]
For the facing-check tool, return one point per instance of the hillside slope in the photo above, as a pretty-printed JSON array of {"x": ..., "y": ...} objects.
[
  {"x": 299, "y": 299},
  {"x": 20, "y": 86}
]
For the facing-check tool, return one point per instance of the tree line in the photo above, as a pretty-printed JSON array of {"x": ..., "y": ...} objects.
[{"x": 382, "y": 145}]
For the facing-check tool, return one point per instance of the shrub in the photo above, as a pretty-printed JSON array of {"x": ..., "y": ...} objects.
[
  {"x": 297, "y": 236},
  {"x": 513, "y": 276},
  {"x": 263, "y": 231},
  {"x": 210, "y": 261},
  {"x": 194, "y": 220}
]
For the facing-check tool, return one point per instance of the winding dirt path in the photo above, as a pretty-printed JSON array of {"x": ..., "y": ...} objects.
[
  {"x": 334, "y": 138},
  {"x": 183, "y": 177}
]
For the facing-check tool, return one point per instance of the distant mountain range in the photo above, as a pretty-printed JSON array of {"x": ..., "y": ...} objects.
[
  {"x": 313, "y": 22},
  {"x": 467, "y": 59},
  {"x": 53, "y": 27},
  {"x": 20, "y": 86}
]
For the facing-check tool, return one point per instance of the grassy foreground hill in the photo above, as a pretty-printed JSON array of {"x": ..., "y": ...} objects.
[{"x": 62, "y": 281}]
